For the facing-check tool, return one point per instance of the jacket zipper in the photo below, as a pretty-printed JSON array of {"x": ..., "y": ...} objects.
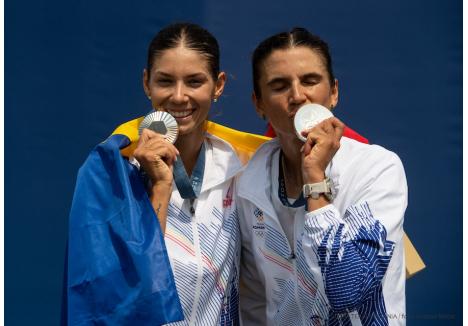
[
  {"x": 196, "y": 244},
  {"x": 296, "y": 278},
  {"x": 292, "y": 257}
]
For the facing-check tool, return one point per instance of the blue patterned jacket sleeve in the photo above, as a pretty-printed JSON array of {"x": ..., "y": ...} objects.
[
  {"x": 353, "y": 254},
  {"x": 354, "y": 250}
]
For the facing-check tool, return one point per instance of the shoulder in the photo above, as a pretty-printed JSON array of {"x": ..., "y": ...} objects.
[
  {"x": 359, "y": 156},
  {"x": 258, "y": 165},
  {"x": 219, "y": 144},
  {"x": 367, "y": 170},
  {"x": 263, "y": 153},
  {"x": 222, "y": 162}
]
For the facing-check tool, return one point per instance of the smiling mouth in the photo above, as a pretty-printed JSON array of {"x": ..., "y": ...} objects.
[{"x": 180, "y": 114}]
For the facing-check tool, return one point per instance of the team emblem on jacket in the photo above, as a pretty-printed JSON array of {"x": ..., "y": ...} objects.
[
  {"x": 227, "y": 201},
  {"x": 259, "y": 225}
]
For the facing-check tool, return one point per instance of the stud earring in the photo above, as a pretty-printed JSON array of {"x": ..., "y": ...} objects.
[
  {"x": 149, "y": 97},
  {"x": 215, "y": 100}
]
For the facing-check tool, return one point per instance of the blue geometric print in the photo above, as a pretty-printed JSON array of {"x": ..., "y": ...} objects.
[
  {"x": 230, "y": 311},
  {"x": 354, "y": 265},
  {"x": 180, "y": 221},
  {"x": 277, "y": 242},
  {"x": 288, "y": 310},
  {"x": 219, "y": 241},
  {"x": 314, "y": 302}
]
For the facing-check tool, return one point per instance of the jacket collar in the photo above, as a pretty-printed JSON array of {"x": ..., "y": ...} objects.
[
  {"x": 221, "y": 164},
  {"x": 255, "y": 181}
]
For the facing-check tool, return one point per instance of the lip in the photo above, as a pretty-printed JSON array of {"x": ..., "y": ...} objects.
[
  {"x": 293, "y": 112},
  {"x": 180, "y": 114}
]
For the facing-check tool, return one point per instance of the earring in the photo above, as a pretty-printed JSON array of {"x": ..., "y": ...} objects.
[
  {"x": 149, "y": 97},
  {"x": 215, "y": 100}
]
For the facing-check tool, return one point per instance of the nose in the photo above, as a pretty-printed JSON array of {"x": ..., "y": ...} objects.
[
  {"x": 298, "y": 95},
  {"x": 179, "y": 94}
]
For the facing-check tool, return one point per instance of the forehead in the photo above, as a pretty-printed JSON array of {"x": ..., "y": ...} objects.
[
  {"x": 297, "y": 61},
  {"x": 180, "y": 60}
]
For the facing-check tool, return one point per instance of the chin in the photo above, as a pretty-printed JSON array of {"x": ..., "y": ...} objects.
[{"x": 188, "y": 129}]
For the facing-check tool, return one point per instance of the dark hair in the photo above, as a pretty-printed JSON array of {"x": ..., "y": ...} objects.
[
  {"x": 192, "y": 37},
  {"x": 296, "y": 37}
]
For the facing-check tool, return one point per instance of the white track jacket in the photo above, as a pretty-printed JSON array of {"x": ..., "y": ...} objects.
[
  {"x": 347, "y": 265},
  {"x": 204, "y": 248}
]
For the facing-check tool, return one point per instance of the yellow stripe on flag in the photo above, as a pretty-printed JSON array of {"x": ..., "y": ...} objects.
[{"x": 245, "y": 145}]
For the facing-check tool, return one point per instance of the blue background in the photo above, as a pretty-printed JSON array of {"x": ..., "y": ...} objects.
[{"x": 73, "y": 72}]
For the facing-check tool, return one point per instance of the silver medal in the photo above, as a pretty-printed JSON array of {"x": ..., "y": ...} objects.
[
  {"x": 308, "y": 116},
  {"x": 161, "y": 122}
]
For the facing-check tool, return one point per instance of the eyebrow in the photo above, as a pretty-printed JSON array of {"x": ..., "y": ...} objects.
[
  {"x": 197, "y": 74},
  {"x": 312, "y": 75},
  {"x": 158, "y": 72},
  {"x": 277, "y": 80},
  {"x": 286, "y": 80}
]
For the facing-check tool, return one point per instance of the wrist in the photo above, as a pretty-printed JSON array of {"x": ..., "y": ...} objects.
[
  {"x": 161, "y": 188},
  {"x": 314, "y": 177},
  {"x": 160, "y": 184},
  {"x": 314, "y": 204}
]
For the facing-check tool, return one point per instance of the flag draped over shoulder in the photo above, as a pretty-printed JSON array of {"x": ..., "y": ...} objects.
[
  {"x": 245, "y": 145},
  {"x": 118, "y": 270}
]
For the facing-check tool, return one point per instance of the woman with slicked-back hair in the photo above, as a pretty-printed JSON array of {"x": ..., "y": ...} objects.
[
  {"x": 126, "y": 276},
  {"x": 321, "y": 219}
]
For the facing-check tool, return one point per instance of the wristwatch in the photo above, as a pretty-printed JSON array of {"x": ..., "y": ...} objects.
[{"x": 314, "y": 190}]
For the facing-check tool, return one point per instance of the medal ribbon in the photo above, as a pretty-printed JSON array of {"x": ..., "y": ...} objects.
[
  {"x": 189, "y": 188},
  {"x": 282, "y": 188}
]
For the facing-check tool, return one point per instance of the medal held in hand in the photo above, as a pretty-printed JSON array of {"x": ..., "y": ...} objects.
[
  {"x": 161, "y": 122},
  {"x": 308, "y": 116},
  {"x": 189, "y": 187}
]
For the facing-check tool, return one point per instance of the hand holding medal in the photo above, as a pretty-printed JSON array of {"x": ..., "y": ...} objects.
[
  {"x": 158, "y": 131},
  {"x": 321, "y": 133},
  {"x": 155, "y": 151}
]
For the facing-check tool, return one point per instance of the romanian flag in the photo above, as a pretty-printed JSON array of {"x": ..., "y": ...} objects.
[
  {"x": 245, "y": 145},
  {"x": 118, "y": 271}
]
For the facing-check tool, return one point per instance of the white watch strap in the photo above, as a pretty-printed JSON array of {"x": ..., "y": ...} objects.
[{"x": 315, "y": 189}]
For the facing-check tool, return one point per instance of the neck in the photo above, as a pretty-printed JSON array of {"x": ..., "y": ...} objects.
[
  {"x": 189, "y": 148},
  {"x": 292, "y": 166}
]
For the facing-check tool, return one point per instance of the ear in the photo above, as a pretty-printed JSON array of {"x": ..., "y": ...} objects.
[
  {"x": 220, "y": 82},
  {"x": 334, "y": 94},
  {"x": 145, "y": 81},
  {"x": 258, "y": 105}
]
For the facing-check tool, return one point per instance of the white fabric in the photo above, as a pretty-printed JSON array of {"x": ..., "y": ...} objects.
[
  {"x": 369, "y": 183},
  {"x": 285, "y": 214},
  {"x": 204, "y": 250}
]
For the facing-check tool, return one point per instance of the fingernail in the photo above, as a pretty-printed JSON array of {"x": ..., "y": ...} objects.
[{"x": 302, "y": 148}]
